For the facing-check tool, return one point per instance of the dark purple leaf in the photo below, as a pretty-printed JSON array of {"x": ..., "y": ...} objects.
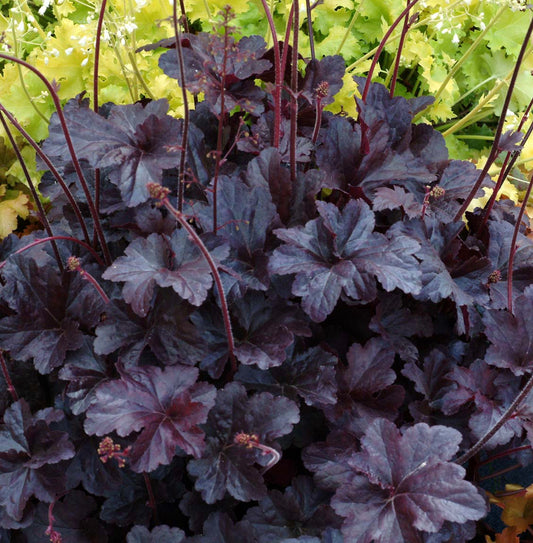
[
  {"x": 395, "y": 112},
  {"x": 501, "y": 235},
  {"x": 366, "y": 387},
  {"x": 329, "y": 460},
  {"x": 166, "y": 330},
  {"x": 74, "y": 520},
  {"x": 383, "y": 149},
  {"x": 198, "y": 511},
  {"x": 409, "y": 486},
  {"x": 30, "y": 456},
  {"x": 302, "y": 509},
  {"x": 339, "y": 253},
  {"x": 268, "y": 170},
  {"x": 266, "y": 328},
  {"x": 84, "y": 370},
  {"x": 510, "y": 335},
  {"x": 339, "y": 152},
  {"x": 323, "y": 78},
  {"x": 167, "y": 405},
  {"x": 176, "y": 262},
  {"x": 510, "y": 141},
  {"x": 456, "y": 182},
  {"x": 396, "y": 198},
  {"x": 245, "y": 216},
  {"x": 213, "y": 62},
  {"x": 262, "y": 138},
  {"x": 129, "y": 504},
  {"x": 228, "y": 466},
  {"x": 50, "y": 310},
  {"x": 309, "y": 375},
  {"x": 98, "y": 478},
  {"x": 449, "y": 267},
  {"x": 395, "y": 323},
  {"x": 431, "y": 377},
  {"x": 219, "y": 528},
  {"x": 136, "y": 143},
  {"x": 160, "y": 534},
  {"x": 492, "y": 392},
  {"x": 453, "y": 531}
]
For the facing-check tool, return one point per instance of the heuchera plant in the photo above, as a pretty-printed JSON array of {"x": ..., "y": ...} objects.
[{"x": 261, "y": 322}]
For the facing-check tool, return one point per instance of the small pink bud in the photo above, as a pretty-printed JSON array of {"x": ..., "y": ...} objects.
[
  {"x": 322, "y": 89},
  {"x": 73, "y": 263},
  {"x": 494, "y": 277},
  {"x": 157, "y": 191}
]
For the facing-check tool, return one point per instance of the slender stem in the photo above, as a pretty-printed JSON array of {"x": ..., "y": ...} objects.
[
  {"x": 285, "y": 53},
  {"x": 21, "y": 77},
  {"x": 405, "y": 29},
  {"x": 220, "y": 131},
  {"x": 36, "y": 199},
  {"x": 354, "y": 18},
  {"x": 52, "y": 238},
  {"x": 72, "y": 151},
  {"x": 318, "y": 119},
  {"x": 185, "y": 133},
  {"x": 159, "y": 192},
  {"x": 184, "y": 16},
  {"x": 507, "y": 166},
  {"x": 52, "y": 168},
  {"x": 151, "y": 497},
  {"x": 139, "y": 76},
  {"x": 503, "y": 454},
  {"x": 474, "y": 115},
  {"x": 131, "y": 90},
  {"x": 513, "y": 248},
  {"x": 310, "y": 29},
  {"x": 7, "y": 377},
  {"x": 463, "y": 58},
  {"x": 495, "y": 151},
  {"x": 74, "y": 264},
  {"x": 97, "y": 54},
  {"x": 420, "y": 23},
  {"x": 54, "y": 535},
  {"x": 278, "y": 76},
  {"x": 500, "y": 472},
  {"x": 503, "y": 419},
  {"x": 294, "y": 88},
  {"x": 381, "y": 46},
  {"x": 95, "y": 95}
]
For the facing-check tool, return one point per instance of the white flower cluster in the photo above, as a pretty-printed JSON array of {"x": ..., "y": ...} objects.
[{"x": 448, "y": 18}]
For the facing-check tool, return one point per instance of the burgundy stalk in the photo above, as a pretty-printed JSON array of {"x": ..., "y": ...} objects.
[
  {"x": 70, "y": 145},
  {"x": 52, "y": 169},
  {"x": 294, "y": 89},
  {"x": 495, "y": 151},
  {"x": 36, "y": 199},
  {"x": 185, "y": 133},
  {"x": 7, "y": 377}
]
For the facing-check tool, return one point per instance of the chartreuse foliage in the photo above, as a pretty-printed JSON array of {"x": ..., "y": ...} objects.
[
  {"x": 454, "y": 50},
  {"x": 256, "y": 320}
]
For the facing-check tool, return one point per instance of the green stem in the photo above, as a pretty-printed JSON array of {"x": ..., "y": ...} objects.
[
  {"x": 467, "y": 118},
  {"x": 393, "y": 37},
  {"x": 21, "y": 77},
  {"x": 139, "y": 76},
  {"x": 354, "y": 18}
]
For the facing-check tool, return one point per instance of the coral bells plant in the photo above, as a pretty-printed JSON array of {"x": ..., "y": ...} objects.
[{"x": 262, "y": 321}]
